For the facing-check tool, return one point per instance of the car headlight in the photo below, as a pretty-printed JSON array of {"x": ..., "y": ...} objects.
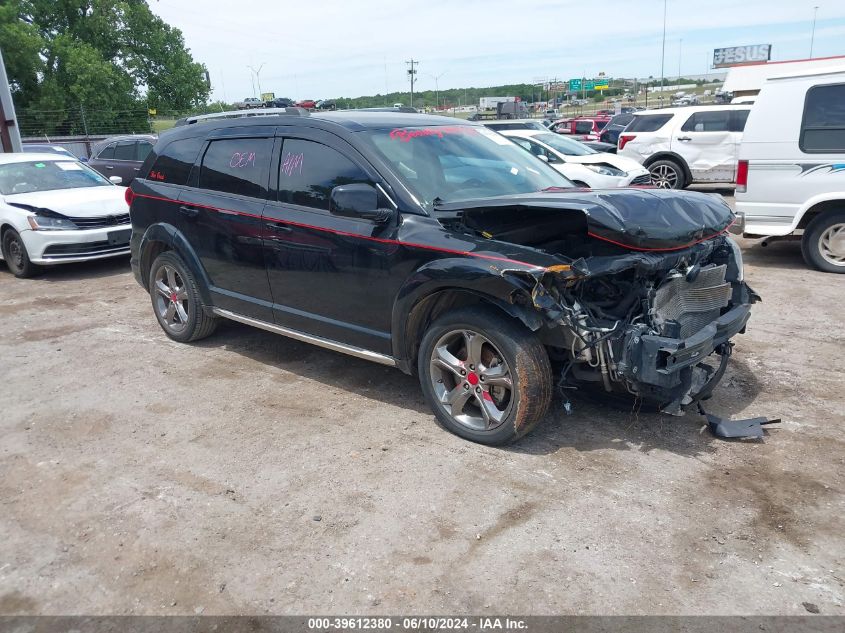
[
  {"x": 48, "y": 223},
  {"x": 606, "y": 170}
]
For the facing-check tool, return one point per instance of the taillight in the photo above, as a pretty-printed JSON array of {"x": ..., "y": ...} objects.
[
  {"x": 742, "y": 176},
  {"x": 624, "y": 139},
  {"x": 129, "y": 196}
]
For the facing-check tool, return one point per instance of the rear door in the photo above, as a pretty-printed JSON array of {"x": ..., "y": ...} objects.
[
  {"x": 102, "y": 161},
  {"x": 220, "y": 215},
  {"x": 708, "y": 145}
]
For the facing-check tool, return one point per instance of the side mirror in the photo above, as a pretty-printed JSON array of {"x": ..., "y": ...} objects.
[
  {"x": 543, "y": 158},
  {"x": 358, "y": 201},
  {"x": 116, "y": 179}
]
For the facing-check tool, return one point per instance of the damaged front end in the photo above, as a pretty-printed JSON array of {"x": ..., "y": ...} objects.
[
  {"x": 655, "y": 325},
  {"x": 648, "y": 293}
]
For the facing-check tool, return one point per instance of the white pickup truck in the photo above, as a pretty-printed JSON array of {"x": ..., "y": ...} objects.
[{"x": 249, "y": 103}]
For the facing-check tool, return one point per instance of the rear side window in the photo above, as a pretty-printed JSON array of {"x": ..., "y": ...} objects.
[
  {"x": 239, "y": 166},
  {"x": 823, "y": 124},
  {"x": 143, "y": 149},
  {"x": 308, "y": 171},
  {"x": 713, "y": 121},
  {"x": 738, "y": 120},
  {"x": 107, "y": 153},
  {"x": 648, "y": 122},
  {"x": 125, "y": 151},
  {"x": 174, "y": 163},
  {"x": 583, "y": 127}
]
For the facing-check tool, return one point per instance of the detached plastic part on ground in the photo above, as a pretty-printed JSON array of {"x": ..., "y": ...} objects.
[{"x": 746, "y": 428}]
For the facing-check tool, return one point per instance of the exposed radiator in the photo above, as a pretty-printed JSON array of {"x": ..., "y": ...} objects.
[{"x": 693, "y": 304}]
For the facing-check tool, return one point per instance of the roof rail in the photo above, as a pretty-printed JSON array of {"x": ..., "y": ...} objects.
[{"x": 237, "y": 114}]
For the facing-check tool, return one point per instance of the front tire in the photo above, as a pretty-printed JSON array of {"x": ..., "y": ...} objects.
[
  {"x": 17, "y": 257},
  {"x": 667, "y": 174},
  {"x": 823, "y": 243},
  {"x": 176, "y": 300},
  {"x": 485, "y": 376}
]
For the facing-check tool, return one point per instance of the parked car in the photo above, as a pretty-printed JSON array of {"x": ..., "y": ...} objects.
[
  {"x": 688, "y": 145},
  {"x": 610, "y": 132},
  {"x": 598, "y": 146},
  {"x": 580, "y": 164},
  {"x": 791, "y": 174},
  {"x": 441, "y": 248},
  {"x": 249, "y": 103},
  {"x": 308, "y": 104},
  {"x": 327, "y": 104},
  {"x": 56, "y": 210},
  {"x": 516, "y": 124},
  {"x": 121, "y": 156},
  {"x": 39, "y": 148},
  {"x": 581, "y": 128},
  {"x": 279, "y": 102}
]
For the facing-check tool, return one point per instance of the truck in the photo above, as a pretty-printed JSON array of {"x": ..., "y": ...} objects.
[
  {"x": 490, "y": 103},
  {"x": 504, "y": 110},
  {"x": 248, "y": 103}
]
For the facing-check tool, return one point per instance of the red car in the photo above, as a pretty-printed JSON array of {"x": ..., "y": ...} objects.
[
  {"x": 581, "y": 128},
  {"x": 308, "y": 104}
]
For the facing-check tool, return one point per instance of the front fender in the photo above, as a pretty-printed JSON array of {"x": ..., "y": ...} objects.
[
  {"x": 174, "y": 240},
  {"x": 509, "y": 288}
]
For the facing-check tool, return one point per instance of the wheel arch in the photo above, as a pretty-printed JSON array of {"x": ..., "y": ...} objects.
[
  {"x": 426, "y": 296},
  {"x": 162, "y": 237},
  {"x": 819, "y": 208}
]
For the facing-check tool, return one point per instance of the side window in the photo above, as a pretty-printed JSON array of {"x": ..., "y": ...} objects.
[
  {"x": 716, "y": 121},
  {"x": 174, "y": 163},
  {"x": 107, "y": 153},
  {"x": 239, "y": 166},
  {"x": 539, "y": 150},
  {"x": 125, "y": 150},
  {"x": 823, "y": 124},
  {"x": 308, "y": 171},
  {"x": 583, "y": 127},
  {"x": 738, "y": 120},
  {"x": 142, "y": 149}
]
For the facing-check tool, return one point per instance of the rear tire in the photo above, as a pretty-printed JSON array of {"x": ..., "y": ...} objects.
[
  {"x": 177, "y": 303},
  {"x": 506, "y": 385},
  {"x": 667, "y": 174},
  {"x": 17, "y": 257},
  {"x": 823, "y": 243}
]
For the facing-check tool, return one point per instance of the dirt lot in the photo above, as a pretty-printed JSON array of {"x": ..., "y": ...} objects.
[{"x": 254, "y": 474}]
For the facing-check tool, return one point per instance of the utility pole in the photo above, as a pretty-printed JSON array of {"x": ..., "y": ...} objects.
[
  {"x": 813, "y": 32},
  {"x": 10, "y": 136},
  {"x": 412, "y": 75},
  {"x": 680, "y": 48},
  {"x": 663, "y": 51},
  {"x": 436, "y": 87}
]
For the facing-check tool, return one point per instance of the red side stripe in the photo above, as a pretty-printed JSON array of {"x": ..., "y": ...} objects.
[{"x": 347, "y": 234}]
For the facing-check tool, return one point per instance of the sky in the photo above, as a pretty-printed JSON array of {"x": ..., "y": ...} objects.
[{"x": 315, "y": 49}]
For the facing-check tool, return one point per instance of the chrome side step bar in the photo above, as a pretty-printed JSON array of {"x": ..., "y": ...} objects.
[{"x": 308, "y": 338}]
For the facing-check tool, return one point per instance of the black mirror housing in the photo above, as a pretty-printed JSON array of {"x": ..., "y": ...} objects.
[{"x": 358, "y": 201}]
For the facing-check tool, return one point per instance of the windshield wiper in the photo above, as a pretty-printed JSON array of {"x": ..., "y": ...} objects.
[{"x": 555, "y": 188}]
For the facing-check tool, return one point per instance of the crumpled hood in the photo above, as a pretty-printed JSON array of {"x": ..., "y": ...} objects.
[
  {"x": 83, "y": 202},
  {"x": 620, "y": 162},
  {"x": 638, "y": 219}
]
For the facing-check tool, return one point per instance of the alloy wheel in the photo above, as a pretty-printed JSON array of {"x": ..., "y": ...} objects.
[
  {"x": 832, "y": 244},
  {"x": 471, "y": 380},
  {"x": 664, "y": 177},
  {"x": 171, "y": 298}
]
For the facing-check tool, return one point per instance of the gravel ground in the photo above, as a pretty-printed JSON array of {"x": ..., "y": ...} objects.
[{"x": 254, "y": 474}]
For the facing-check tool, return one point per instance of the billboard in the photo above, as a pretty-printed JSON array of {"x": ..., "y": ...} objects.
[{"x": 724, "y": 57}]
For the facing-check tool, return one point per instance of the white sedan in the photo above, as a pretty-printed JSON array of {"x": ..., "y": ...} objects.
[
  {"x": 56, "y": 210},
  {"x": 582, "y": 165}
]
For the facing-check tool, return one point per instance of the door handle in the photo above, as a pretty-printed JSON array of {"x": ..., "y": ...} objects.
[
  {"x": 191, "y": 212},
  {"x": 278, "y": 227},
  {"x": 684, "y": 138},
  {"x": 109, "y": 167},
  {"x": 137, "y": 168}
]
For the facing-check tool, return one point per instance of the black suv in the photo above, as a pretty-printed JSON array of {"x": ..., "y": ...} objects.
[{"x": 441, "y": 248}]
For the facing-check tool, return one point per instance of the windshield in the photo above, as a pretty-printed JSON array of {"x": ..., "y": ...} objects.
[
  {"x": 47, "y": 176},
  {"x": 567, "y": 146},
  {"x": 449, "y": 163}
]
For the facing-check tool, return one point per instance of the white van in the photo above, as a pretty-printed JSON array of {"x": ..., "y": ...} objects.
[{"x": 791, "y": 172}]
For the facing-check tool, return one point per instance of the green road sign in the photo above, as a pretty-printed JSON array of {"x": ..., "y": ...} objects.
[
  {"x": 589, "y": 85},
  {"x": 574, "y": 85}
]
